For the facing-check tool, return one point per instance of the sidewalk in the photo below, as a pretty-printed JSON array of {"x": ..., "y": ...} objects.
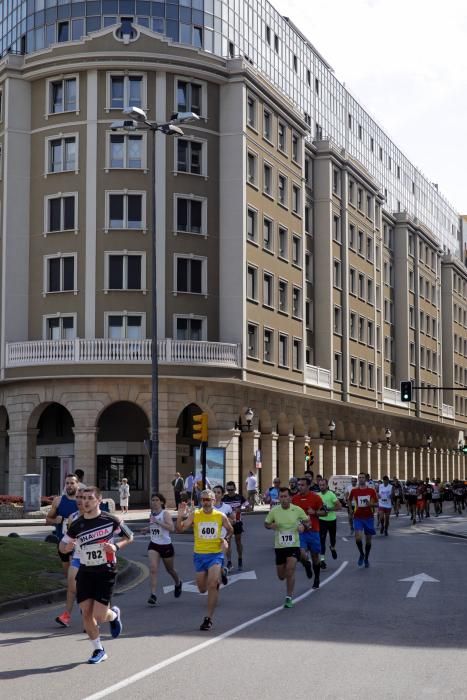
[{"x": 456, "y": 528}]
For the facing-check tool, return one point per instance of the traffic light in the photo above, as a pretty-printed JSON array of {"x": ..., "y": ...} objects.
[
  {"x": 406, "y": 391},
  {"x": 464, "y": 448},
  {"x": 309, "y": 458},
  {"x": 200, "y": 427}
]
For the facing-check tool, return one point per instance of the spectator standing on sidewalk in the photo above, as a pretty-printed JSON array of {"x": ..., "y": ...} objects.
[
  {"x": 252, "y": 488},
  {"x": 178, "y": 486},
  {"x": 124, "y": 491}
]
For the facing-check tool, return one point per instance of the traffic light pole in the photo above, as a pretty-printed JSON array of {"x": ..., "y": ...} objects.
[{"x": 202, "y": 457}]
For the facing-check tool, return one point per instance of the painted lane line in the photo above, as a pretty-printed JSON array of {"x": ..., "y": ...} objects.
[
  {"x": 191, "y": 587},
  {"x": 204, "y": 645}
]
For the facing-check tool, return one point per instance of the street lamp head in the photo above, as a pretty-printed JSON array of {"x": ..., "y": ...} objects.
[
  {"x": 171, "y": 130},
  {"x": 249, "y": 413},
  {"x": 388, "y": 434},
  {"x": 136, "y": 113},
  {"x": 331, "y": 426},
  {"x": 429, "y": 440},
  {"x": 184, "y": 117},
  {"x": 123, "y": 125}
]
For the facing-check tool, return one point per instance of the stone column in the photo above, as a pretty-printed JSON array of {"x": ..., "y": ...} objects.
[
  {"x": 440, "y": 473},
  {"x": 329, "y": 458},
  {"x": 462, "y": 467},
  {"x": 404, "y": 463},
  {"x": 428, "y": 462},
  {"x": 286, "y": 454},
  {"x": 377, "y": 474},
  {"x": 3, "y": 462},
  {"x": 22, "y": 459},
  {"x": 366, "y": 457},
  {"x": 434, "y": 463},
  {"x": 421, "y": 462},
  {"x": 269, "y": 450},
  {"x": 316, "y": 445},
  {"x": 385, "y": 460},
  {"x": 250, "y": 443},
  {"x": 85, "y": 454},
  {"x": 354, "y": 457},
  {"x": 448, "y": 475},
  {"x": 342, "y": 457},
  {"x": 396, "y": 462},
  {"x": 299, "y": 455}
]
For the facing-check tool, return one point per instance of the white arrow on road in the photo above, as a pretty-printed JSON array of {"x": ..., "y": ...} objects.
[
  {"x": 190, "y": 587},
  {"x": 417, "y": 582}
]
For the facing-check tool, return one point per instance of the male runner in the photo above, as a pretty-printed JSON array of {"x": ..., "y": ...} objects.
[
  {"x": 364, "y": 499},
  {"x": 271, "y": 496},
  {"x": 328, "y": 521},
  {"x": 312, "y": 504},
  {"x": 348, "y": 503},
  {"x": 385, "y": 496},
  {"x": 288, "y": 520},
  {"x": 65, "y": 618},
  {"x": 411, "y": 497},
  {"x": 160, "y": 546},
  {"x": 208, "y": 554},
  {"x": 397, "y": 495},
  {"x": 225, "y": 508},
  {"x": 458, "y": 495},
  {"x": 428, "y": 496},
  {"x": 238, "y": 503},
  {"x": 94, "y": 532},
  {"x": 436, "y": 497}
]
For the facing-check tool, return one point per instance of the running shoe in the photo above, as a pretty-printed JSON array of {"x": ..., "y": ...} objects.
[
  {"x": 64, "y": 619},
  {"x": 333, "y": 553},
  {"x": 178, "y": 590},
  {"x": 386, "y": 533},
  {"x": 308, "y": 569},
  {"x": 323, "y": 564},
  {"x": 288, "y": 602},
  {"x": 315, "y": 583},
  {"x": 361, "y": 560},
  {"x": 240, "y": 564},
  {"x": 229, "y": 566},
  {"x": 224, "y": 578},
  {"x": 367, "y": 564},
  {"x": 152, "y": 600},
  {"x": 206, "y": 624},
  {"x": 97, "y": 656},
  {"x": 116, "y": 625}
]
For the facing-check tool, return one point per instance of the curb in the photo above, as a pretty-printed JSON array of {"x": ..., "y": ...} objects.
[
  {"x": 451, "y": 534},
  {"x": 129, "y": 573}
]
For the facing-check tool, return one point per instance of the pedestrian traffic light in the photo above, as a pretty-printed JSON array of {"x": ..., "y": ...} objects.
[
  {"x": 406, "y": 391},
  {"x": 464, "y": 448},
  {"x": 307, "y": 454},
  {"x": 200, "y": 427}
]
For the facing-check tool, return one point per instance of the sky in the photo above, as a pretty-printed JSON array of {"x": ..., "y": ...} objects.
[{"x": 405, "y": 61}]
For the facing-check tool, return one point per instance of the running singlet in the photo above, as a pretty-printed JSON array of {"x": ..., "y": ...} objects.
[
  {"x": 236, "y": 502},
  {"x": 75, "y": 553},
  {"x": 227, "y": 510},
  {"x": 436, "y": 494},
  {"x": 361, "y": 498},
  {"x": 412, "y": 490},
  {"x": 159, "y": 535},
  {"x": 306, "y": 501},
  {"x": 329, "y": 499},
  {"x": 287, "y": 521},
  {"x": 92, "y": 533},
  {"x": 66, "y": 507},
  {"x": 384, "y": 496},
  {"x": 207, "y": 529},
  {"x": 397, "y": 491}
]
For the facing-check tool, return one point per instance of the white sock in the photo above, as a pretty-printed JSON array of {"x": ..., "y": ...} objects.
[
  {"x": 114, "y": 615},
  {"x": 96, "y": 643}
]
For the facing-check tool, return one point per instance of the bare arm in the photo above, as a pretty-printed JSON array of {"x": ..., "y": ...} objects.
[
  {"x": 181, "y": 524},
  {"x": 228, "y": 525},
  {"x": 168, "y": 523},
  {"x": 52, "y": 518}
]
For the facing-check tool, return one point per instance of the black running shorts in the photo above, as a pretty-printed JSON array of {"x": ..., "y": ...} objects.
[
  {"x": 283, "y": 553},
  {"x": 238, "y": 527},
  {"x": 165, "y": 550},
  {"x": 95, "y": 583}
]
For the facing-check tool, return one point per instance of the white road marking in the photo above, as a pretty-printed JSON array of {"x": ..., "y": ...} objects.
[
  {"x": 209, "y": 642},
  {"x": 345, "y": 539},
  {"x": 417, "y": 582},
  {"x": 191, "y": 587}
]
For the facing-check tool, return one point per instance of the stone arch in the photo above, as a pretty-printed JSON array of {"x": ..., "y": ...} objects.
[
  {"x": 283, "y": 424},
  {"x": 298, "y": 426},
  {"x": 313, "y": 428},
  {"x": 265, "y": 422},
  {"x": 339, "y": 433}
]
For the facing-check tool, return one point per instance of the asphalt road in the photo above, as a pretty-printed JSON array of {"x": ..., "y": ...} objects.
[{"x": 359, "y": 636}]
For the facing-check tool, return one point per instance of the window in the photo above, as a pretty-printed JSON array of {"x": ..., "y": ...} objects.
[
  {"x": 296, "y": 250},
  {"x": 251, "y": 168},
  {"x": 336, "y": 181},
  {"x": 268, "y": 35},
  {"x": 308, "y": 76},
  {"x": 338, "y": 320},
  {"x": 190, "y": 328},
  {"x": 60, "y": 273},
  {"x": 297, "y": 302},
  {"x": 124, "y": 271},
  {"x": 189, "y": 215},
  {"x": 126, "y": 210},
  {"x": 353, "y": 370},
  {"x": 412, "y": 353},
  {"x": 268, "y": 347},
  {"x": 297, "y": 354},
  {"x": 352, "y": 278},
  {"x": 353, "y": 325},
  {"x": 282, "y": 189},
  {"x": 361, "y": 286},
  {"x": 125, "y": 151},
  {"x": 352, "y": 236},
  {"x": 283, "y": 242},
  {"x": 60, "y": 213},
  {"x": 283, "y": 294},
  {"x": 337, "y": 367},
  {"x": 296, "y": 148},
  {"x": 267, "y": 124},
  {"x": 276, "y": 43},
  {"x": 268, "y": 290},
  {"x": 369, "y": 291},
  {"x": 189, "y": 97},
  {"x": 336, "y": 229},
  {"x": 360, "y": 132},
  {"x": 252, "y": 228},
  {"x": 267, "y": 179},
  {"x": 283, "y": 350},
  {"x": 411, "y": 281},
  {"x": 268, "y": 228},
  {"x": 369, "y": 249},
  {"x": 251, "y": 112},
  {"x": 361, "y": 329},
  {"x": 370, "y": 335},
  {"x": 351, "y": 191},
  {"x": 360, "y": 199},
  {"x": 62, "y": 155},
  {"x": 190, "y": 157},
  {"x": 337, "y": 275},
  {"x": 295, "y": 63},
  {"x": 281, "y": 136},
  {"x": 191, "y": 275},
  {"x": 111, "y": 469},
  {"x": 296, "y": 204},
  {"x": 124, "y": 326},
  {"x": 360, "y": 243},
  {"x": 60, "y": 327},
  {"x": 63, "y": 95},
  {"x": 252, "y": 340},
  {"x": 126, "y": 91},
  {"x": 371, "y": 376},
  {"x": 63, "y": 31},
  {"x": 361, "y": 373},
  {"x": 252, "y": 283}
]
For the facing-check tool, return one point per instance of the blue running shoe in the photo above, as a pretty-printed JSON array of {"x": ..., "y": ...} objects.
[
  {"x": 361, "y": 560},
  {"x": 116, "y": 625},
  {"x": 367, "y": 564},
  {"x": 98, "y": 655}
]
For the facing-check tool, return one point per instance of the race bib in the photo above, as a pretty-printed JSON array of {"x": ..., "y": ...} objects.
[
  {"x": 155, "y": 531},
  {"x": 384, "y": 501},
  {"x": 93, "y": 555},
  {"x": 363, "y": 501},
  {"x": 286, "y": 539},
  {"x": 207, "y": 531}
]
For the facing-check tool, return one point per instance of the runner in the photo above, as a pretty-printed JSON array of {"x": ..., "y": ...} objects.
[
  {"x": 436, "y": 497},
  {"x": 288, "y": 521},
  {"x": 411, "y": 498},
  {"x": 398, "y": 495},
  {"x": 328, "y": 521},
  {"x": 428, "y": 496},
  {"x": 271, "y": 496},
  {"x": 65, "y": 618},
  {"x": 160, "y": 546},
  {"x": 238, "y": 503},
  {"x": 458, "y": 494},
  {"x": 385, "y": 497},
  {"x": 364, "y": 498},
  {"x": 349, "y": 504},
  {"x": 225, "y": 508},
  {"x": 94, "y": 532},
  {"x": 312, "y": 504},
  {"x": 420, "y": 500},
  {"x": 208, "y": 554},
  {"x": 293, "y": 486}
]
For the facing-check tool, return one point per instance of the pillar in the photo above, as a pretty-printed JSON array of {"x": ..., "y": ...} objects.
[
  {"x": 428, "y": 462},
  {"x": 385, "y": 460},
  {"x": 412, "y": 464},
  {"x": 286, "y": 455},
  {"x": 434, "y": 464},
  {"x": 229, "y": 441},
  {"x": 377, "y": 472},
  {"x": 329, "y": 458},
  {"x": 85, "y": 454},
  {"x": 396, "y": 462},
  {"x": 269, "y": 456},
  {"x": 365, "y": 458},
  {"x": 440, "y": 473},
  {"x": 3, "y": 462},
  {"x": 354, "y": 457},
  {"x": 403, "y": 463},
  {"x": 420, "y": 462},
  {"x": 342, "y": 457},
  {"x": 249, "y": 445},
  {"x": 22, "y": 459},
  {"x": 299, "y": 455},
  {"x": 462, "y": 476},
  {"x": 448, "y": 476}
]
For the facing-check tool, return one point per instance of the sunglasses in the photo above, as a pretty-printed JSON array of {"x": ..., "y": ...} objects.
[
  {"x": 230, "y": 489},
  {"x": 206, "y": 500}
]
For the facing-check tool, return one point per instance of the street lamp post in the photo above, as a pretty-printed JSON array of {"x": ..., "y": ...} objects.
[{"x": 138, "y": 119}]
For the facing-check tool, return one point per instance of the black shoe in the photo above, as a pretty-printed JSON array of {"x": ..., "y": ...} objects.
[
  {"x": 386, "y": 533},
  {"x": 240, "y": 564},
  {"x": 315, "y": 583},
  {"x": 224, "y": 578},
  {"x": 206, "y": 624},
  {"x": 178, "y": 590},
  {"x": 152, "y": 600},
  {"x": 308, "y": 569},
  {"x": 333, "y": 553},
  {"x": 323, "y": 564},
  {"x": 381, "y": 530}
]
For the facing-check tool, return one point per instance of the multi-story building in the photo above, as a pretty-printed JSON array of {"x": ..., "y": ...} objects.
[{"x": 305, "y": 266}]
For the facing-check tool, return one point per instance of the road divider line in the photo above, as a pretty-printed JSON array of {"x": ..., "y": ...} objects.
[{"x": 204, "y": 645}]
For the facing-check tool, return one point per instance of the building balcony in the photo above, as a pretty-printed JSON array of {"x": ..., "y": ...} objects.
[
  {"x": 317, "y": 376},
  {"x": 107, "y": 350},
  {"x": 447, "y": 411},
  {"x": 393, "y": 397}
]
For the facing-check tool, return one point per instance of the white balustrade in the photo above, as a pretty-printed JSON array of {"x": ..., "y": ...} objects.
[
  {"x": 318, "y": 376},
  {"x": 448, "y": 411}
]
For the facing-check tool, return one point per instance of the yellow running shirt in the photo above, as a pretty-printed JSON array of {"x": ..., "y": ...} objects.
[{"x": 207, "y": 529}]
